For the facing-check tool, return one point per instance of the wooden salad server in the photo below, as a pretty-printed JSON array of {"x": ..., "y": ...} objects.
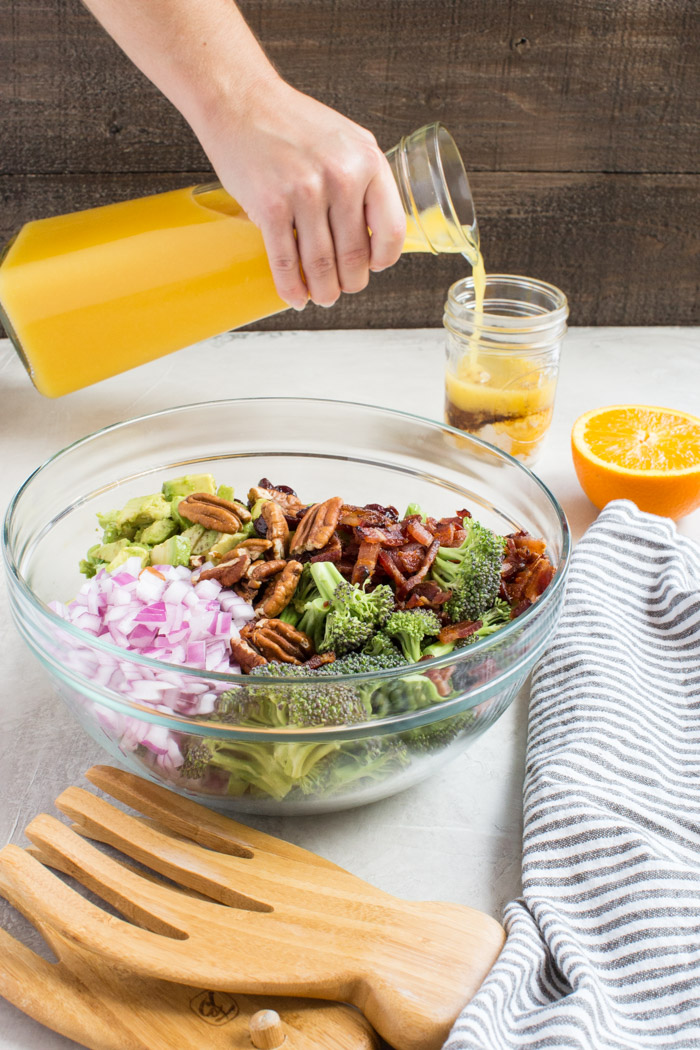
[
  {"x": 86, "y": 998},
  {"x": 273, "y": 921}
]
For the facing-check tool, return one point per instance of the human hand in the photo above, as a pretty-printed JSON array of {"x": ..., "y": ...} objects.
[{"x": 296, "y": 165}]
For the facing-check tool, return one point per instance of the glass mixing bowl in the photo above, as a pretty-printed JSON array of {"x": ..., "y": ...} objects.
[{"x": 320, "y": 448}]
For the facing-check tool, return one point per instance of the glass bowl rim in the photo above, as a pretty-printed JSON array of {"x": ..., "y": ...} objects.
[{"x": 90, "y": 641}]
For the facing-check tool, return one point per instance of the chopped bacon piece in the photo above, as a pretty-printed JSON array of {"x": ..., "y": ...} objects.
[
  {"x": 526, "y": 545},
  {"x": 392, "y": 536},
  {"x": 428, "y": 560},
  {"x": 441, "y": 677},
  {"x": 391, "y": 513},
  {"x": 463, "y": 514},
  {"x": 366, "y": 563},
  {"x": 386, "y": 560},
  {"x": 333, "y": 551},
  {"x": 455, "y": 631},
  {"x": 418, "y": 532},
  {"x": 511, "y": 567},
  {"x": 531, "y": 581},
  {"x": 345, "y": 567},
  {"x": 540, "y": 577},
  {"x": 319, "y": 659},
  {"x": 520, "y": 608},
  {"x": 428, "y": 593},
  {"x": 449, "y": 533},
  {"x": 372, "y": 514},
  {"x": 409, "y": 558}
]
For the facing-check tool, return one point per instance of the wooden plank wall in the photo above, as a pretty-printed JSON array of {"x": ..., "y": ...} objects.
[{"x": 577, "y": 119}]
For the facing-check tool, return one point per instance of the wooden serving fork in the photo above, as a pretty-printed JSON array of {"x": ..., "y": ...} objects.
[
  {"x": 261, "y": 917},
  {"x": 86, "y": 998}
]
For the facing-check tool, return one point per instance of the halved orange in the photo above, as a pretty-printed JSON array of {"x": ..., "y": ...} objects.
[{"x": 643, "y": 453}]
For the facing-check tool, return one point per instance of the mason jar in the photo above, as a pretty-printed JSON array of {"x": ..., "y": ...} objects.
[{"x": 503, "y": 360}]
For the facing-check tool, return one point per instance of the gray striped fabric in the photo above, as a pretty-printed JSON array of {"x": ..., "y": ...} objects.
[{"x": 603, "y": 948}]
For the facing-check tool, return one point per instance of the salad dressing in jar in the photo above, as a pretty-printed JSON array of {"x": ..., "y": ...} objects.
[
  {"x": 503, "y": 346},
  {"x": 91, "y": 294}
]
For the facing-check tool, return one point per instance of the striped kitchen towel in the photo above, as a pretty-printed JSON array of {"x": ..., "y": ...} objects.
[{"x": 603, "y": 949}]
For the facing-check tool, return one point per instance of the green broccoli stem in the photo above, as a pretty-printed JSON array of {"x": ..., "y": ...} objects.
[
  {"x": 326, "y": 577},
  {"x": 438, "y": 649}
]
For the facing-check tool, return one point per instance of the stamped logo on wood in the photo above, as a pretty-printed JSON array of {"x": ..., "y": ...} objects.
[{"x": 214, "y": 1007}]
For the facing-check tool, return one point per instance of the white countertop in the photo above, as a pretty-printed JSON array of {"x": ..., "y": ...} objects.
[{"x": 455, "y": 837}]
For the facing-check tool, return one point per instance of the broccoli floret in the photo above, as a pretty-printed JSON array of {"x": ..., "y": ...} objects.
[
  {"x": 254, "y": 768},
  {"x": 438, "y": 649},
  {"x": 343, "y": 632},
  {"x": 289, "y": 615},
  {"x": 274, "y": 769},
  {"x": 380, "y": 644},
  {"x": 306, "y": 590},
  {"x": 437, "y": 735},
  {"x": 493, "y": 619},
  {"x": 373, "y": 607},
  {"x": 337, "y": 615},
  {"x": 328, "y": 703},
  {"x": 363, "y": 663},
  {"x": 415, "y": 508},
  {"x": 410, "y": 693},
  {"x": 410, "y": 627},
  {"x": 313, "y": 620},
  {"x": 471, "y": 571},
  {"x": 198, "y": 754},
  {"x": 369, "y": 759}
]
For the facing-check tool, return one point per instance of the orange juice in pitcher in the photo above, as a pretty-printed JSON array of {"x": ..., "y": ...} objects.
[{"x": 91, "y": 294}]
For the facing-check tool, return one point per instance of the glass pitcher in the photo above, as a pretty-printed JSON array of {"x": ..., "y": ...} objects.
[{"x": 91, "y": 294}]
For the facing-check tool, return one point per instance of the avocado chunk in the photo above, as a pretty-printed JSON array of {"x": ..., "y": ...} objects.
[
  {"x": 187, "y": 484},
  {"x": 174, "y": 551},
  {"x": 256, "y": 509},
  {"x": 225, "y": 492},
  {"x": 143, "y": 510},
  {"x": 156, "y": 532},
  {"x": 91, "y": 563},
  {"x": 208, "y": 538},
  {"x": 227, "y": 542},
  {"x": 131, "y": 550},
  {"x": 193, "y": 533}
]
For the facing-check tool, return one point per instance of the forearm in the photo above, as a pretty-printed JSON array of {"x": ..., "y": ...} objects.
[
  {"x": 309, "y": 178},
  {"x": 199, "y": 54}
]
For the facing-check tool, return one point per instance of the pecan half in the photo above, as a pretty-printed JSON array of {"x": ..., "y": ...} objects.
[
  {"x": 246, "y": 590},
  {"x": 255, "y": 546},
  {"x": 289, "y": 502},
  {"x": 317, "y": 526},
  {"x": 245, "y": 656},
  {"x": 279, "y": 593},
  {"x": 242, "y": 511},
  {"x": 278, "y": 640},
  {"x": 263, "y": 570},
  {"x": 230, "y": 570},
  {"x": 277, "y": 529},
  {"x": 211, "y": 511}
]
